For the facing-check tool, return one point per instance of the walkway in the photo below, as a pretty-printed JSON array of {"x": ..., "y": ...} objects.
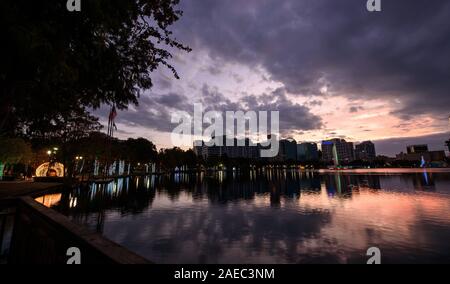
[{"x": 23, "y": 188}]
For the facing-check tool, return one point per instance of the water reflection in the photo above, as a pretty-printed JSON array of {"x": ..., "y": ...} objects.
[{"x": 273, "y": 216}]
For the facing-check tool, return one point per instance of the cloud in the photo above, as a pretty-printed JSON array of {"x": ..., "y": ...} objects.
[
  {"x": 315, "y": 103},
  {"x": 155, "y": 111},
  {"x": 293, "y": 116},
  {"x": 402, "y": 53},
  {"x": 355, "y": 109},
  {"x": 213, "y": 70}
]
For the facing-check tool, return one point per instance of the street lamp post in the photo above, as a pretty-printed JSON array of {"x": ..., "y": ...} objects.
[
  {"x": 77, "y": 160},
  {"x": 51, "y": 157}
]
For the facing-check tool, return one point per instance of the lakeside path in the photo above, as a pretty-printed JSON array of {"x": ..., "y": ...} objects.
[{"x": 10, "y": 189}]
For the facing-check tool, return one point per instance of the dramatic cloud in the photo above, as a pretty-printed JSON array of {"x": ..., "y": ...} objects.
[
  {"x": 331, "y": 68},
  {"x": 400, "y": 54},
  {"x": 154, "y": 111},
  {"x": 354, "y": 109}
]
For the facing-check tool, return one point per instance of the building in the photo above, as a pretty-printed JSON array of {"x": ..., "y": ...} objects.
[
  {"x": 287, "y": 150},
  {"x": 430, "y": 156},
  {"x": 417, "y": 149},
  {"x": 420, "y": 152},
  {"x": 365, "y": 151},
  {"x": 198, "y": 148},
  {"x": 344, "y": 151},
  {"x": 307, "y": 152},
  {"x": 448, "y": 144},
  {"x": 230, "y": 148}
]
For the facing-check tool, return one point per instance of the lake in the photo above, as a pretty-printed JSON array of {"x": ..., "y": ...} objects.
[{"x": 273, "y": 216}]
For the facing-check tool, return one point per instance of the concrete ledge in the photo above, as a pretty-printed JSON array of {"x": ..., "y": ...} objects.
[
  {"x": 9, "y": 189},
  {"x": 42, "y": 235}
]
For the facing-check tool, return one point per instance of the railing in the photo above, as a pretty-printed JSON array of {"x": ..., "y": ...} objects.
[
  {"x": 42, "y": 235},
  {"x": 7, "y": 213}
]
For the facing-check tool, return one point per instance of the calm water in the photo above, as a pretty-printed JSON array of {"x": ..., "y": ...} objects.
[{"x": 271, "y": 217}]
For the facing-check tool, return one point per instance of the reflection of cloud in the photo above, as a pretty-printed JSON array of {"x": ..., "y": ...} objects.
[
  {"x": 391, "y": 221},
  {"x": 254, "y": 236},
  {"x": 235, "y": 221}
]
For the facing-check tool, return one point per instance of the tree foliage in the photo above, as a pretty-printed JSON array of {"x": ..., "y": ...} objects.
[
  {"x": 176, "y": 157},
  {"x": 140, "y": 150},
  {"x": 99, "y": 146},
  {"x": 54, "y": 64},
  {"x": 14, "y": 151}
]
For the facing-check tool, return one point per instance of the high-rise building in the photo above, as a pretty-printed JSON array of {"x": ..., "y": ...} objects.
[
  {"x": 431, "y": 156},
  {"x": 337, "y": 148},
  {"x": 231, "y": 148},
  {"x": 448, "y": 144},
  {"x": 365, "y": 151},
  {"x": 417, "y": 149},
  {"x": 287, "y": 150},
  {"x": 198, "y": 148},
  {"x": 307, "y": 152}
]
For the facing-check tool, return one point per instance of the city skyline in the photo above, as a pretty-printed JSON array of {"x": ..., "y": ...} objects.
[
  {"x": 333, "y": 151},
  {"x": 266, "y": 56}
]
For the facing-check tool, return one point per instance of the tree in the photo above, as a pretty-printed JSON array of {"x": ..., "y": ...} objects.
[
  {"x": 54, "y": 62},
  {"x": 140, "y": 150},
  {"x": 14, "y": 151},
  {"x": 176, "y": 157}
]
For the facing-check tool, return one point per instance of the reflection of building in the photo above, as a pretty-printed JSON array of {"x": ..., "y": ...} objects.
[
  {"x": 417, "y": 149},
  {"x": 418, "y": 152},
  {"x": 365, "y": 151},
  {"x": 340, "y": 185},
  {"x": 343, "y": 150},
  {"x": 423, "y": 181},
  {"x": 345, "y": 185},
  {"x": 307, "y": 152}
]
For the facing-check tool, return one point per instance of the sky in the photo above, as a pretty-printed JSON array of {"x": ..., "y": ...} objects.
[{"x": 331, "y": 68}]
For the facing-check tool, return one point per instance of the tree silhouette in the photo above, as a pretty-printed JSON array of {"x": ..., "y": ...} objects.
[{"x": 55, "y": 64}]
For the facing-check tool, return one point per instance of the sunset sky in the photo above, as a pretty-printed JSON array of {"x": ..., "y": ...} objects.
[{"x": 331, "y": 68}]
